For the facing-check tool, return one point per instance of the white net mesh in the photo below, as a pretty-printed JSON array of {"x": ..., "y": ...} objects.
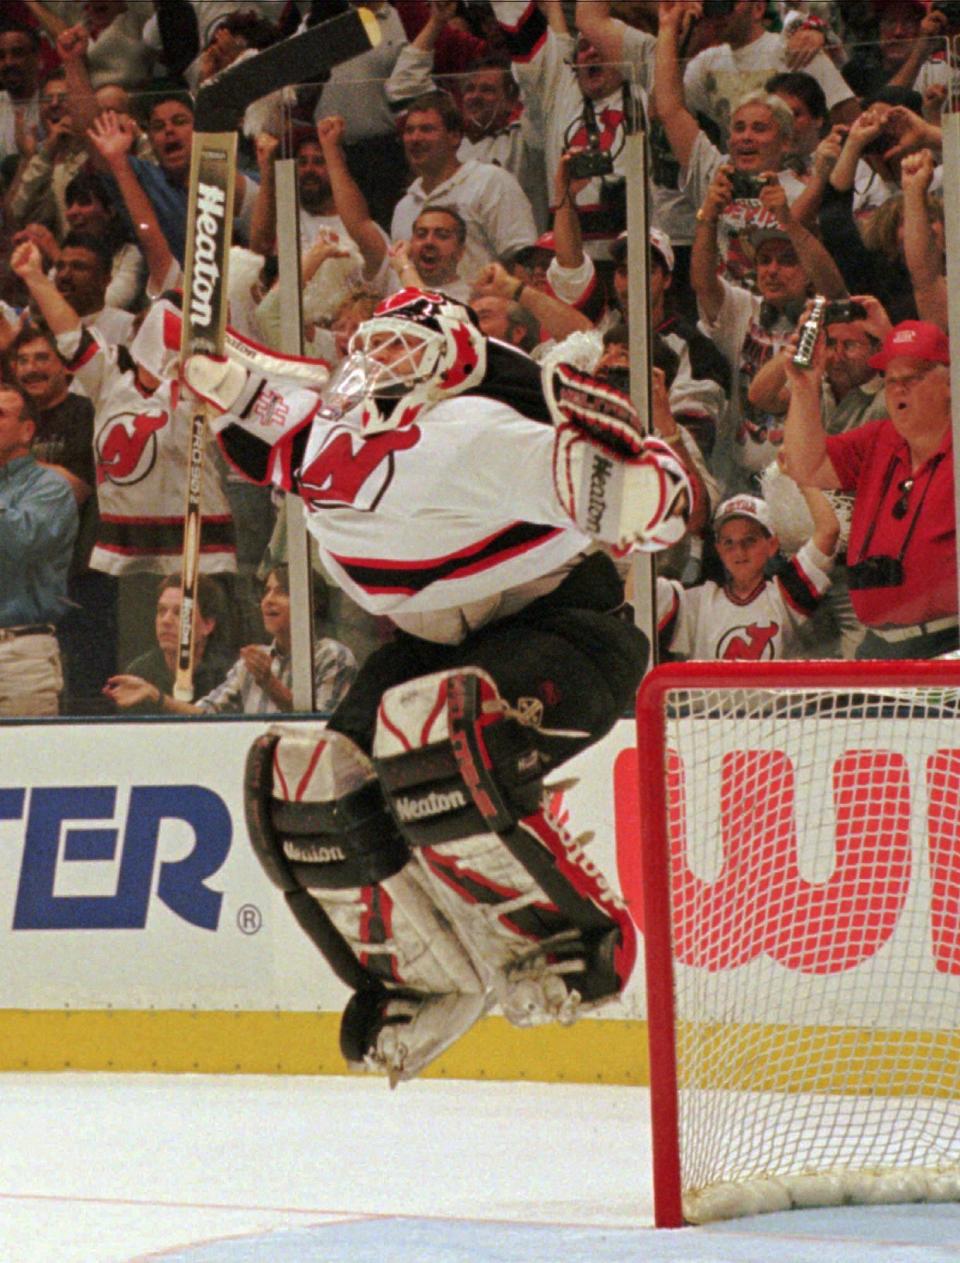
[{"x": 814, "y": 843}]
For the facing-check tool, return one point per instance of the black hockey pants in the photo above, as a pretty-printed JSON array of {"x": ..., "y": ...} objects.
[{"x": 576, "y": 651}]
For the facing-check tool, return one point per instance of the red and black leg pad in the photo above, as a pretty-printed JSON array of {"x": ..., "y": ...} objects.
[
  {"x": 321, "y": 830},
  {"x": 317, "y": 822},
  {"x": 451, "y": 762},
  {"x": 461, "y": 774}
]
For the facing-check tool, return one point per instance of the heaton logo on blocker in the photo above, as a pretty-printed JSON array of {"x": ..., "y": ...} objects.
[{"x": 67, "y": 827}]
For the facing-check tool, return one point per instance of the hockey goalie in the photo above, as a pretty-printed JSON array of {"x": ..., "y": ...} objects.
[{"x": 457, "y": 490}]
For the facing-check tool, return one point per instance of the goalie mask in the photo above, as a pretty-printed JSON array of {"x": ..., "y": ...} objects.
[{"x": 417, "y": 349}]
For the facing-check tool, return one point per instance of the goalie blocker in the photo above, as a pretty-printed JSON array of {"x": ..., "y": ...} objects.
[{"x": 432, "y": 877}]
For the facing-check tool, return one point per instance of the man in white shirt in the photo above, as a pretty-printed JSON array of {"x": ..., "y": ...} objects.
[
  {"x": 496, "y": 211},
  {"x": 497, "y": 128}
]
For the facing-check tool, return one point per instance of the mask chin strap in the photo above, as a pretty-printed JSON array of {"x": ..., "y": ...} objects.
[{"x": 378, "y": 414}]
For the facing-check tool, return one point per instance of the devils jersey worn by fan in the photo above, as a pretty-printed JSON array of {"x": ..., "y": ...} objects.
[
  {"x": 140, "y": 447},
  {"x": 708, "y": 621}
]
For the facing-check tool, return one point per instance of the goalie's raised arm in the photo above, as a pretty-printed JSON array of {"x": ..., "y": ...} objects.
[{"x": 617, "y": 486}]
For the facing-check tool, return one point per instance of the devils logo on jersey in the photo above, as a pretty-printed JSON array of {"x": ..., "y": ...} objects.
[
  {"x": 126, "y": 447},
  {"x": 610, "y": 121},
  {"x": 352, "y": 471},
  {"x": 751, "y": 643}
]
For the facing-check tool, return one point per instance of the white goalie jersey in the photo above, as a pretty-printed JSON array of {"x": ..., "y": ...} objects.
[
  {"x": 478, "y": 474},
  {"x": 487, "y": 517},
  {"x": 459, "y": 493}
]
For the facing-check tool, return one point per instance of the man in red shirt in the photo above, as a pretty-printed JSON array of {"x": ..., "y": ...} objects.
[{"x": 901, "y": 556}]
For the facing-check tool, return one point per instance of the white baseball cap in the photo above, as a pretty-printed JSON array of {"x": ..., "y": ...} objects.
[
  {"x": 751, "y": 507},
  {"x": 659, "y": 242}
]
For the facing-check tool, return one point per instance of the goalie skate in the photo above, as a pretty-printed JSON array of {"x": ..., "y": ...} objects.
[{"x": 398, "y": 1034}]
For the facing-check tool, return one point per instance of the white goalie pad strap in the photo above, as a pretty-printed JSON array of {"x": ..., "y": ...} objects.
[
  {"x": 430, "y": 955},
  {"x": 398, "y": 933},
  {"x": 633, "y": 504},
  {"x": 497, "y": 907},
  {"x": 313, "y": 765}
]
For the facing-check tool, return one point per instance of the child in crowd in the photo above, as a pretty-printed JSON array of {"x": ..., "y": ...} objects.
[{"x": 750, "y": 616}]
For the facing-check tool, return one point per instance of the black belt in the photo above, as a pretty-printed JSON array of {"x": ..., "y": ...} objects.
[{"x": 28, "y": 629}]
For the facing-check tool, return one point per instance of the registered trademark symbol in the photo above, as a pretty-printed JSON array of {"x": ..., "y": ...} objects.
[{"x": 249, "y": 919}]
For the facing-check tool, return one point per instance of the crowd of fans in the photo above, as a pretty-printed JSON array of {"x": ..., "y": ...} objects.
[{"x": 480, "y": 150}]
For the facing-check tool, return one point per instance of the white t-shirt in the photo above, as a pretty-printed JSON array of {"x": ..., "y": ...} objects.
[
  {"x": 750, "y": 438},
  {"x": 494, "y": 207},
  {"x": 718, "y": 77}
]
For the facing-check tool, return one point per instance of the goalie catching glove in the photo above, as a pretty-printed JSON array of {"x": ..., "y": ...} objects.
[{"x": 618, "y": 486}]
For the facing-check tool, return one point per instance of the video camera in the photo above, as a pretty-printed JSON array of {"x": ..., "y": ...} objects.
[{"x": 844, "y": 312}]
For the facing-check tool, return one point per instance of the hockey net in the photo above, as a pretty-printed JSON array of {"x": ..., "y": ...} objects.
[{"x": 801, "y": 868}]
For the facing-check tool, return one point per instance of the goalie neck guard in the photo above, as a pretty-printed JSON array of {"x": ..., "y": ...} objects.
[{"x": 416, "y": 349}]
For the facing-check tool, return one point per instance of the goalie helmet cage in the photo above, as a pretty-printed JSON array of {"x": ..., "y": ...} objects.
[{"x": 800, "y": 828}]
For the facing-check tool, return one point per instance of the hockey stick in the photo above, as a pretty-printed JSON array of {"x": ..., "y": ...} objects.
[
  {"x": 213, "y": 168},
  {"x": 642, "y": 568}
]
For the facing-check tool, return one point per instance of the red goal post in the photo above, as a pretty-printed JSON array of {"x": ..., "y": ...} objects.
[{"x": 801, "y": 912}]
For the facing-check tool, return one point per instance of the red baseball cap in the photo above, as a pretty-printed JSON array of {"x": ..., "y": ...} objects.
[{"x": 915, "y": 339}]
